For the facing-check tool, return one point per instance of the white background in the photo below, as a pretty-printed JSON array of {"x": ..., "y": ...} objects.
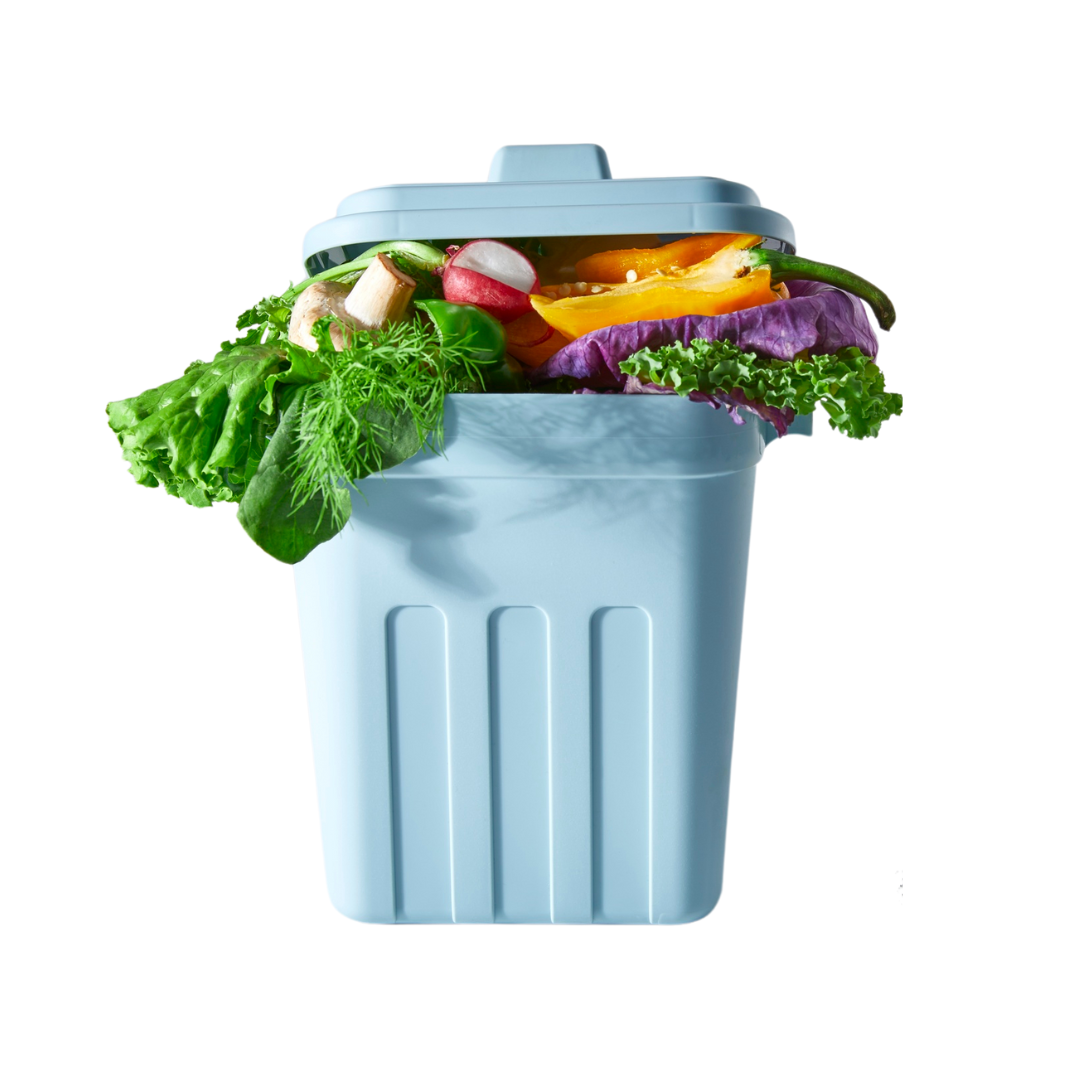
[{"x": 901, "y": 878}]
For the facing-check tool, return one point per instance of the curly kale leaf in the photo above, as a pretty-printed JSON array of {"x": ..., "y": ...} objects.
[{"x": 847, "y": 384}]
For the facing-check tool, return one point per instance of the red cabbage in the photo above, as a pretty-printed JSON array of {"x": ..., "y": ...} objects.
[{"x": 817, "y": 317}]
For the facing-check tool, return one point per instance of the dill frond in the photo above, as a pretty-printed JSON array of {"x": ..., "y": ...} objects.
[{"x": 382, "y": 403}]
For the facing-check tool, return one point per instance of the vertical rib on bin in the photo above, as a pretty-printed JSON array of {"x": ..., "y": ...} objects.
[
  {"x": 419, "y": 748},
  {"x": 470, "y": 764},
  {"x": 520, "y": 779},
  {"x": 571, "y": 781},
  {"x": 621, "y": 665}
]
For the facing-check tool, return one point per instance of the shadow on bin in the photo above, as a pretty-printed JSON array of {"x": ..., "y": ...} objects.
[{"x": 432, "y": 520}]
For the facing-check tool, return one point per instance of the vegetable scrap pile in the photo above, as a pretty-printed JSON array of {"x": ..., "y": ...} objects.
[{"x": 346, "y": 374}]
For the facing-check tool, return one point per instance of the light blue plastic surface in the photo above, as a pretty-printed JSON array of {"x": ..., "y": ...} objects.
[
  {"x": 560, "y": 190},
  {"x": 521, "y": 662}
]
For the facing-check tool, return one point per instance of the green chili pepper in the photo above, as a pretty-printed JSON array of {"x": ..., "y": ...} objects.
[{"x": 795, "y": 268}]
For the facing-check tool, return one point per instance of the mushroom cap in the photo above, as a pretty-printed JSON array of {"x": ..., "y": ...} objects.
[{"x": 314, "y": 303}]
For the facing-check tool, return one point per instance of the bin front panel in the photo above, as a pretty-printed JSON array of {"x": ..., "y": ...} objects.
[{"x": 522, "y": 691}]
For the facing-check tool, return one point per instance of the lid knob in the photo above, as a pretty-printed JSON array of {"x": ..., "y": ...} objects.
[{"x": 559, "y": 161}]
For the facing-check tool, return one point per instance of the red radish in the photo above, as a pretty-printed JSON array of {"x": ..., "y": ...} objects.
[{"x": 493, "y": 276}]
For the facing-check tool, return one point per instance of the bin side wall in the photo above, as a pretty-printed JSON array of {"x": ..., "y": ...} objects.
[{"x": 697, "y": 678}]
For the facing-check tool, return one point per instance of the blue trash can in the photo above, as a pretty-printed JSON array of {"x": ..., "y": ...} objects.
[{"x": 522, "y": 653}]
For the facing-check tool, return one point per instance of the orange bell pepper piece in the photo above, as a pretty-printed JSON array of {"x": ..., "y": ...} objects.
[
  {"x": 613, "y": 266},
  {"x": 715, "y": 286},
  {"x": 531, "y": 341}
]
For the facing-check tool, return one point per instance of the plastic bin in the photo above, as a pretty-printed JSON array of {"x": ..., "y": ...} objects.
[{"x": 522, "y": 655}]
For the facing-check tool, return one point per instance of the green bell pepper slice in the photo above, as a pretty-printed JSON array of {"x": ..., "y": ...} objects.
[{"x": 466, "y": 324}]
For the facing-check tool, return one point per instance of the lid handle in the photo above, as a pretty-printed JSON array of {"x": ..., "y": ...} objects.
[{"x": 560, "y": 161}]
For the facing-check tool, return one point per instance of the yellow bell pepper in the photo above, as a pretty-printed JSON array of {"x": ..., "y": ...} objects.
[{"x": 715, "y": 286}]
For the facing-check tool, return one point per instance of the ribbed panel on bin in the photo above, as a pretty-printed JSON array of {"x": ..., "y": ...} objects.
[
  {"x": 419, "y": 757},
  {"x": 521, "y": 674},
  {"x": 621, "y": 767},
  {"x": 615, "y": 776},
  {"x": 520, "y": 764}
]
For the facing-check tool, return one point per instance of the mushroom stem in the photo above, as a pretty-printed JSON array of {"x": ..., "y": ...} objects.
[{"x": 381, "y": 295}]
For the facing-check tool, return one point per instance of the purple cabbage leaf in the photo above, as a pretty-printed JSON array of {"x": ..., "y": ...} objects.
[{"x": 817, "y": 318}]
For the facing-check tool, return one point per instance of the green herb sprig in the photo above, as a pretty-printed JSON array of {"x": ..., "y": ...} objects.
[{"x": 381, "y": 402}]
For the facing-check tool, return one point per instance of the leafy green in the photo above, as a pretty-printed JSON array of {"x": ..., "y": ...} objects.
[
  {"x": 283, "y": 431},
  {"x": 267, "y": 512},
  {"x": 270, "y": 314},
  {"x": 304, "y": 367},
  {"x": 197, "y": 435},
  {"x": 362, "y": 410},
  {"x": 379, "y": 405},
  {"x": 848, "y": 384}
]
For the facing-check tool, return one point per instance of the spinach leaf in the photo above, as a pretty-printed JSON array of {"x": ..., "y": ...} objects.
[
  {"x": 267, "y": 511},
  {"x": 289, "y": 524}
]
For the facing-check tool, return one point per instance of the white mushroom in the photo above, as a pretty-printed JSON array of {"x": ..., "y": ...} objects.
[
  {"x": 315, "y": 303},
  {"x": 381, "y": 296}
]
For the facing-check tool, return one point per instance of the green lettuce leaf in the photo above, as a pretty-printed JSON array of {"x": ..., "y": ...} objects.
[
  {"x": 304, "y": 367},
  {"x": 847, "y": 384},
  {"x": 194, "y": 436}
]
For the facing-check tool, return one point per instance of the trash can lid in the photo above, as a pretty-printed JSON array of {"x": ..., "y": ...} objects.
[{"x": 557, "y": 190}]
